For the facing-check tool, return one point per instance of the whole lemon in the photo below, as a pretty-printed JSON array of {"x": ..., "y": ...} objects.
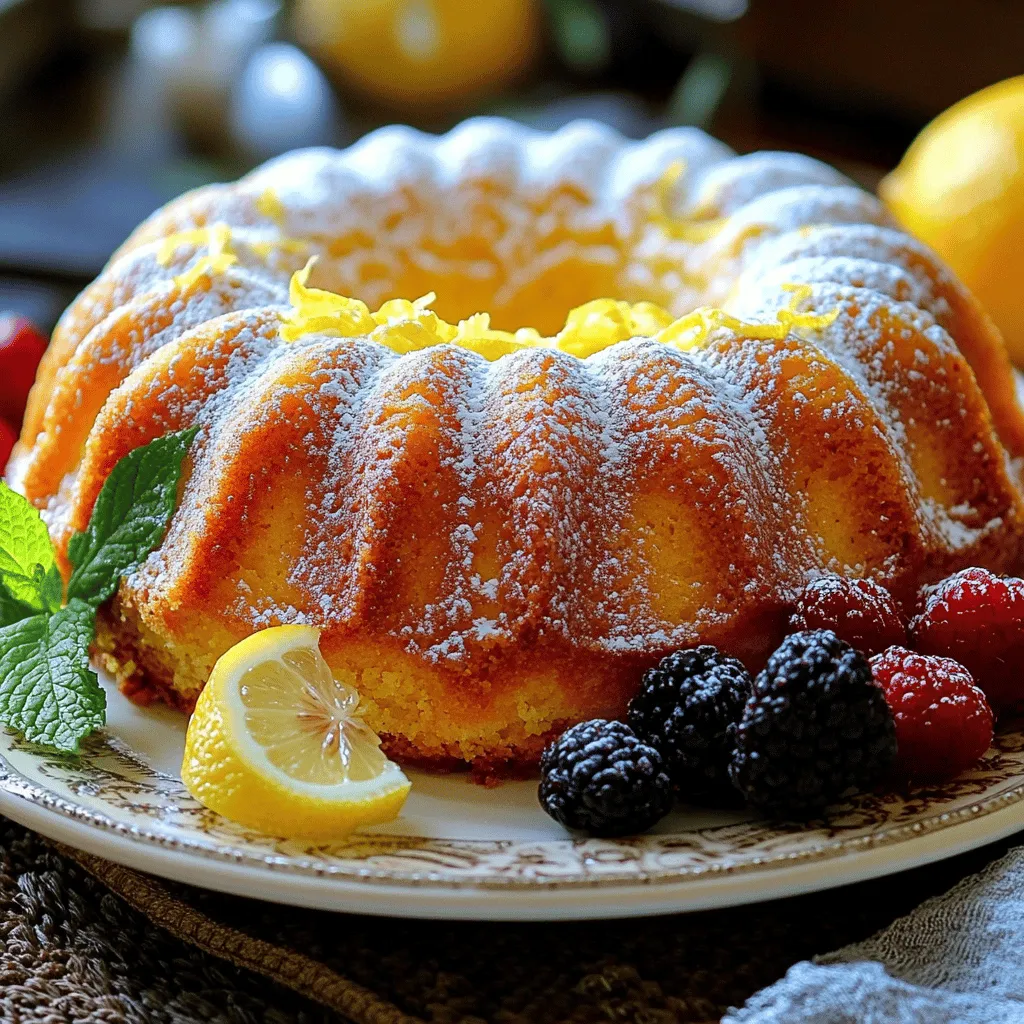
[
  {"x": 421, "y": 54},
  {"x": 960, "y": 188}
]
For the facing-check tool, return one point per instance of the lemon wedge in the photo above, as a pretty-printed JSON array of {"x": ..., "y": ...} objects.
[{"x": 276, "y": 743}]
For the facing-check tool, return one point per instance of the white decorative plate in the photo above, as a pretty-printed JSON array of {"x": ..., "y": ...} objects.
[{"x": 463, "y": 851}]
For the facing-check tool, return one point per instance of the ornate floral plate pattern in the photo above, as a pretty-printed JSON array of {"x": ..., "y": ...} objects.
[{"x": 463, "y": 851}]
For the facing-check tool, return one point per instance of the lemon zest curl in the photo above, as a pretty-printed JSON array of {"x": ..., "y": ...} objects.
[{"x": 410, "y": 326}]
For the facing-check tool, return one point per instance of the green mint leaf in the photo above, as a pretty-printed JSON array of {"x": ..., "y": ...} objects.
[
  {"x": 48, "y": 693},
  {"x": 29, "y": 580},
  {"x": 11, "y": 609},
  {"x": 52, "y": 588},
  {"x": 130, "y": 517},
  {"x": 48, "y": 590}
]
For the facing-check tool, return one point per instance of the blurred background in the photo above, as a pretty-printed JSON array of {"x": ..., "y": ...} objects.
[{"x": 108, "y": 108}]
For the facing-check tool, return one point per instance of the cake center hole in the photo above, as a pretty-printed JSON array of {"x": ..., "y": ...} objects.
[{"x": 526, "y": 263}]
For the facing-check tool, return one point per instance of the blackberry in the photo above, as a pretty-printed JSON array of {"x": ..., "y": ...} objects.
[
  {"x": 815, "y": 728},
  {"x": 688, "y": 707},
  {"x": 598, "y": 777}
]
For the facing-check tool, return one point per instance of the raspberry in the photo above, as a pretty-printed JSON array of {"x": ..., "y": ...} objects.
[
  {"x": 21, "y": 348},
  {"x": 943, "y": 722},
  {"x": 7, "y": 440},
  {"x": 977, "y": 619},
  {"x": 861, "y": 612}
]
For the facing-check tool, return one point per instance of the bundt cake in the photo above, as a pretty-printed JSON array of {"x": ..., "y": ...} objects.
[{"x": 500, "y": 516}]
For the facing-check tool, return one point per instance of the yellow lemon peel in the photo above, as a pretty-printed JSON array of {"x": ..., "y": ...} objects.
[
  {"x": 217, "y": 241},
  {"x": 693, "y": 330},
  {"x": 197, "y": 237},
  {"x": 406, "y": 326},
  {"x": 409, "y": 326},
  {"x": 267, "y": 247},
  {"x": 269, "y": 204},
  {"x": 683, "y": 230}
]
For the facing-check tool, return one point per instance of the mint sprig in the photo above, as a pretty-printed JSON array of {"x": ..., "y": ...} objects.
[
  {"x": 129, "y": 518},
  {"x": 48, "y": 692},
  {"x": 29, "y": 578}
]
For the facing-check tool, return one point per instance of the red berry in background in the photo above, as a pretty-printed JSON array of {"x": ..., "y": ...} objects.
[
  {"x": 861, "y": 612},
  {"x": 977, "y": 618},
  {"x": 8, "y": 436},
  {"x": 21, "y": 348},
  {"x": 943, "y": 722}
]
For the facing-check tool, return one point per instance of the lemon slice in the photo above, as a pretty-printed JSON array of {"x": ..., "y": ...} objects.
[{"x": 276, "y": 743}]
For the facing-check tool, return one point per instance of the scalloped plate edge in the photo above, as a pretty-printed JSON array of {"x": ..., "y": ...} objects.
[{"x": 438, "y": 901}]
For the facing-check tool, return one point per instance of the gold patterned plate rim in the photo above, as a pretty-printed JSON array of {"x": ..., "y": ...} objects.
[{"x": 112, "y": 800}]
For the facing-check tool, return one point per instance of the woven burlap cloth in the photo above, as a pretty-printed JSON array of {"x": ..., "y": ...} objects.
[{"x": 88, "y": 941}]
